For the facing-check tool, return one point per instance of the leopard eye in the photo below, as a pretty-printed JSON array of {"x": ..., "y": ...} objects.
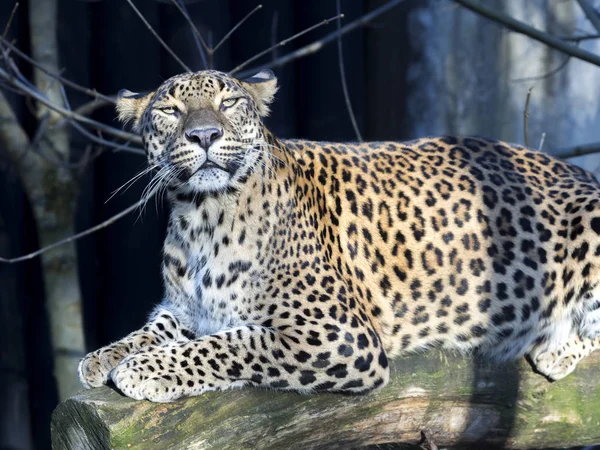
[
  {"x": 229, "y": 102},
  {"x": 171, "y": 110}
]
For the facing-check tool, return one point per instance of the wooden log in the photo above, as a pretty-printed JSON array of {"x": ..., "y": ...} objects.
[{"x": 458, "y": 401}]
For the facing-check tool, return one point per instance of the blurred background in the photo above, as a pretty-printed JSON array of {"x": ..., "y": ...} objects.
[{"x": 418, "y": 68}]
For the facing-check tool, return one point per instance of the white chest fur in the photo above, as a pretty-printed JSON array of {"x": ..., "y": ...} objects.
[{"x": 222, "y": 272}]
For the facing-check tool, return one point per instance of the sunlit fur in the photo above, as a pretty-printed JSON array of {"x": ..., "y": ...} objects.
[{"x": 305, "y": 265}]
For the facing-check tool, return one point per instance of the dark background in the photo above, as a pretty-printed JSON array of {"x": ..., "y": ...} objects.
[{"x": 104, "y": 45}]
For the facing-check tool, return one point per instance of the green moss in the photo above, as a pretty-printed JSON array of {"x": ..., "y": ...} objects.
[{"x": 507, "y": 403}]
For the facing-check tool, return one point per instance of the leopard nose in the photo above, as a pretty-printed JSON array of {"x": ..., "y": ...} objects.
[{"x": 204, "y": 136}]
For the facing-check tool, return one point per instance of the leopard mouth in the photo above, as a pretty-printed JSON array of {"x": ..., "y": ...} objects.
[
  {"x": 210, "y": 165},
  {"x": 186, "y": 174}
]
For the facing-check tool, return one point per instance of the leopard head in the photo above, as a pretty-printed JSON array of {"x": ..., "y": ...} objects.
[{"x": 203, "y": 131}]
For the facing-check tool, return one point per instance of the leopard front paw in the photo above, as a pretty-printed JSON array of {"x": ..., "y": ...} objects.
[
  {"x": 140, "y": 376},
  {"x": 95, "y": 367}
]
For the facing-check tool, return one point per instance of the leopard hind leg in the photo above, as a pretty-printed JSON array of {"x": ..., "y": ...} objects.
[{"x": 558, "y": 363}]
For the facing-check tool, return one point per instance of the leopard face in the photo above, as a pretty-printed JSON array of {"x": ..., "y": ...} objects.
[{"x": 202, "y": 131}]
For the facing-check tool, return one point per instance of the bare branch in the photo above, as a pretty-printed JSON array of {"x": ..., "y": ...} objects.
[
  {"x": 91, "y": 136},
  {"x": 181, "y": 8},
  {"x": 90, "y": 107},
  {"x": 584, "y": 37},
  {"x": 10, "y": 19},
  {"x": 77, "y": 236},
  {"x": 69, "y": 114},
  {"x": 520, "y": 27},
  {"x": 343, "y": 74},
  {"x": 591, "y": 14},
  {"x": 210, "y": 54},
  {"x": 526, "y": 117},
  {"x": 110, "y": 144},
  {"x": 54, "y": 159},
  {"x": 40, "y": 131},
  {"x": 158, "y": 38},
  {"x": 281, "y": 44},
  {"x": 319, "y": 44},
  {"x": 542, "y": 139},
  {"x": 546, "y": 75},
  {"x": 274, "y": 24},
  {"x": 85, "y": 110},
  {"x": 237, "y": 25},
  {"x": 15, "y": 72},
  {"x": 579, "y": 150},
  {"x": 197, "y": 40},
  {"x": 63, "y": 80}
]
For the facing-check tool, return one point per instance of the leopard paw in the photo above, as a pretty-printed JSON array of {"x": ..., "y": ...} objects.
[
  {"x": 95, "y": 367},
  {"x": 139, "y": 376}
]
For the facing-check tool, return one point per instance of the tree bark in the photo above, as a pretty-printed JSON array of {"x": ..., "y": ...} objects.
[
  {"x": 459, "y": 402},
  {"x": 53, "y": 200},
  {"x": 52, "y": 190}
]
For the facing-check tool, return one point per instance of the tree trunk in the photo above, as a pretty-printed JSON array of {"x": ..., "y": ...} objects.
[
  {"x": 457, "y": 401},
  {"x": 53, "y": 201},
  {"x": 52, "y": 189}
]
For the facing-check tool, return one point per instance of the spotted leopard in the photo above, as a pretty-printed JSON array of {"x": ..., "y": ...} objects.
[{"x": 304, "y": 266}]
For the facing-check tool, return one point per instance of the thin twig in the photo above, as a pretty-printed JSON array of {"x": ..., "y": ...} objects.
[
  {"x": 10, "y": 19},
  {"x": 15, "y": 72},
  {"x": 274, "y": 25},
  {"x": 70, "y": 114},
  {"x": 520, "y": 27},
  {"x": 40, "y": 131},
  {"x": 105, "y": 143},
  {"x": 198, "y": 39},
  {"x": 91, "y": 136},
  {"x": 343, "y": 74},
  {"x": 546, "y": 75},
  {"x": 542, "y": 139},
  {"x": 590, "y": 13},
  {"x": 579, "y": 150},
  {"x": 85, "y": 110},
  {"x": 54, "y": 157},
  {"x": 210, "y": 54},
  {"x": 158, "y": 38},
  {"x": 77, "y": 236},
  {"x": 319, "y": 44},
  {"x": 184, "y": 13},
  {"x": 237, "y": 25},
  {"x": 584, "y": 37},
  {"x": 65, "y": 81},
  {"x": 526, "y": 117},
  {"x": 281, "y": 44},
  {"x": 90, "y": 107}
]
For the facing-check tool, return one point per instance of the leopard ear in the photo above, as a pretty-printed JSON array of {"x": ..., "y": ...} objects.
[
  {"x": 262, "y": 86},
  {"x": 131, "y": 106}
]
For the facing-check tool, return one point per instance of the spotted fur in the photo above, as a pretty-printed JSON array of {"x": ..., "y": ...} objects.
[{"x": 304, "y": 266}]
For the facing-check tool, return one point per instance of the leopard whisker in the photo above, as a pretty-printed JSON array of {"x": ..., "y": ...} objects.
[{"x": 125, "y": 186}]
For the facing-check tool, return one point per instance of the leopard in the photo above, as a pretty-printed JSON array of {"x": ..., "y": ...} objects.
[{"x": 305, "y": 266}]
